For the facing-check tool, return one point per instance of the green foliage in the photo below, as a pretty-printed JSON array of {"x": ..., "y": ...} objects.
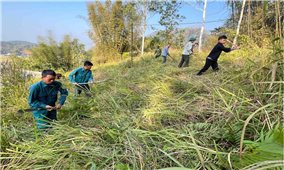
[
  {"x": 259, "y": 21},
  {"x": 112, "y": 24},
  {"x": 179, "y": 38},
  {"x": 64, "y": 55},
  {"x": 170, "y": 18},
  {"x": 244, "y": 41},
  {"x": 268, "y": 147}
]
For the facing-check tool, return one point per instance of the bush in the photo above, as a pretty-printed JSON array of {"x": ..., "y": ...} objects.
[{"x": 64, "y": 55}]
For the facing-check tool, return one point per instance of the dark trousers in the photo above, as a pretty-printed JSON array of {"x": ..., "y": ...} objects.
[
  {"x": 209, "y": 63},
  {"x": 82, "y": 87},
  {"x": 185, "y": 60},
  {"x": 164, "y": 59},
  {"x": 157, "y": 55},
  {"x": 43, "y": 117}
]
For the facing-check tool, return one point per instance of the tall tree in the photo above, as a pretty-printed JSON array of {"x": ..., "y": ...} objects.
[
  {"x": 239, "y": 23},
  {"x": 58, "y": 55},
  {"x": 168, "y": 9},
  {"x": 117, "y": 22},
  {"x": 203, "y": 25},
  {"x": 144, "y": 11},
  {"x": 109, "y": 21},
  {"x": 249, "y": 18},
  {"x": 264, "y": 10},
  {"x": 261, "y": 19},
  {"x": 169, "y": 12},
  {"x": 278, "y": 25}
]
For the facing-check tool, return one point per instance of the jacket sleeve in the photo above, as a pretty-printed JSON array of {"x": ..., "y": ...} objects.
[
  {"x": 189, "y": 48},
  {"x": 33, "y": 99},
  {"x": 63, "y": 94},
  {"x": 221, "y": 47},
  {"x": 156, "y": 52},
  {"x": 72, "y": 74}
]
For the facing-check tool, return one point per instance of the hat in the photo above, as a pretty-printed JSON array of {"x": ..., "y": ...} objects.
[{"x": 192, "y": 39}]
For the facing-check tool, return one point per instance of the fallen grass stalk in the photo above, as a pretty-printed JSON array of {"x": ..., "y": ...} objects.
[
  {"x": 246, "y": 123},
  {"x": 265, "y": 165},
  {"x": 197, "y": 150},
  {"x": 173, "y": 159}
]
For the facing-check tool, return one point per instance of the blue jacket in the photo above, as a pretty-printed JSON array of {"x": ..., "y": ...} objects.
[
  {"x": 80, "y": 75},
  {"x": 165, "y": 51},
  {"x": 42, "y": 94}
]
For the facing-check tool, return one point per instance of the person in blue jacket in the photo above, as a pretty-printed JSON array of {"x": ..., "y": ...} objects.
[
  {"x": 80, "y": 77},
  {"x": 165, "y": 53},
  {"x": 43, "y": 97}
]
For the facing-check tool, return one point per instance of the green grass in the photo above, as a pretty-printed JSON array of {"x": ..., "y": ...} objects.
[{"x": 152, "y": 116}]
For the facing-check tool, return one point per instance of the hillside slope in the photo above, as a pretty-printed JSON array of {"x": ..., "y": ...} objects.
[
  {"x": 15, "y": 47},
  {"x": 151, "y": 116}
]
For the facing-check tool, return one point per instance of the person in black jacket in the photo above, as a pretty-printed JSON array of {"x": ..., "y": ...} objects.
[
  {"x": 212, "y": 58},
  {"x": 158, "y": 52}
]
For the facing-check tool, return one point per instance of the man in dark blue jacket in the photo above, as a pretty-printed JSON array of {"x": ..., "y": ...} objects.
[
  {"x": 43, "y": 97},
  {"x": 165, "y": 52},
  {"x": 80, "y": 77},
  {"x": 212, "y": 58}
]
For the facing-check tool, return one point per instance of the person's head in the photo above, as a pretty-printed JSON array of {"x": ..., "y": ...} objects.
[
  {"x": 48, "y": 76},
  {"x": 169, "y": 45},
  {"x": 222, "y": 39},
  {"x": 88, "y": 65},
  {"x": 158, "y": 46},
  {"x": 192, "y": 39}
]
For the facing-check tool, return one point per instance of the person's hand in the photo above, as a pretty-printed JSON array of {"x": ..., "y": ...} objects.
[
  {"x": 49, "y": 108},
  {"x": 235, "y": 47},
  {"x": 58, "y": 106}
]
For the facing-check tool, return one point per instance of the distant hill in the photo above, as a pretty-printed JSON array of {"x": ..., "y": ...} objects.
[{"x": 16, "y": 47}]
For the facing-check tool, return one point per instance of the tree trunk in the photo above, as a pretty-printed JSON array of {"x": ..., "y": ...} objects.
[
  {"x": 202, "y": 27},
  {"x": 263, "y": 15},
  {"x": 142, "y": 46},
  {"x": 239, "y": 23},
  {"x": 249, "y": 18},
  {"x": 144, "y": 29},
  {"x": 131, "y": 46},
  {"x": 278, "y": 30},
  {"x": 276, "y": 17},
  {"x": 233, "y": 12}
]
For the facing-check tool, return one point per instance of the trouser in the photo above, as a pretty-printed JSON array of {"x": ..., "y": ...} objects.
[
  {"x": 157, "y": 55},
  {"x": 43, "y": 118},
  {"x": 184, "y": 62},
  {"x": 164, "y": 59},
  {"x": 209, "y": 63},
  {"x": 82, "y": 87}
]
